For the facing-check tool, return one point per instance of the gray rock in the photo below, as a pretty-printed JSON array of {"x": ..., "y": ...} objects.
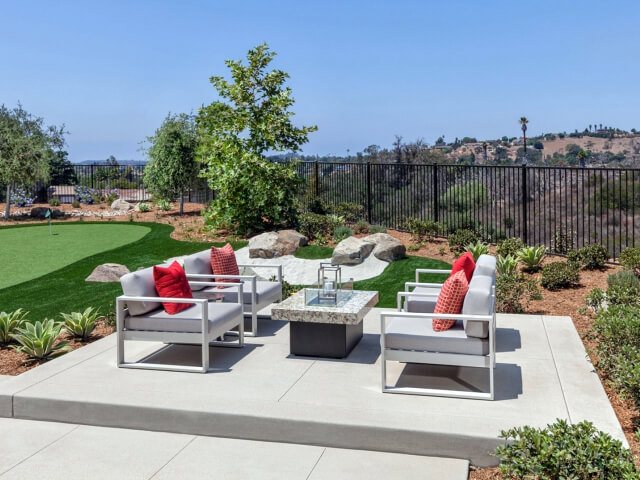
[
  {"x": 386, "y": 248},
  {"x": 351, "y": 251},
  {"x": 120, "y": 205},
  {"x": 108, "y": 272},
  {"x": 41, "y": 212},
  {"x": 276, "y": 244}
]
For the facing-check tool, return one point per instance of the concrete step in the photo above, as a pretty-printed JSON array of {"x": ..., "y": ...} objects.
[{"x": 51, "y": 450}]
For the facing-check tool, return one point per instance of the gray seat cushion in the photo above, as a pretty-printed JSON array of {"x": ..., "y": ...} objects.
[
  {"x": 424, "y": 304},
  {"x": 486, "y": 265},
  {"x": 417, "y": 334},
  {"x": 478, "y": 301},
  {"x": 222, "y": 316},
  {"x": 200, "y": 264},
  {"x": 265, "y": 291},
  {"x": 140, "y": 284}
]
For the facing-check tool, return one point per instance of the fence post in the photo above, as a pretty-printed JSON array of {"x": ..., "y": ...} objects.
[
  {"x": 317, "y": 175},
  {"x": 436, "y": 206},
  {"x": 369, "y": 192},
  {"x": 92, "y": 184},
  {"x": 525, "y": 204}
]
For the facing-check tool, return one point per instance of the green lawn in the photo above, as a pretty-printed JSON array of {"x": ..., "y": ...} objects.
[
  {"x": 64, "y": 290},
  {"x": 314, "y": 252},
  {"x": 30, "y": 252}
]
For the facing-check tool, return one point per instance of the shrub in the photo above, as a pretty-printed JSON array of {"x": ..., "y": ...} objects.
[
  {"x": 164, "y": 205},
  {"x": 477, "y": 249},
  {"x": 361, "y": 227},
  {"x": 144, "y": 207},
  {"x": 595, "y": 299},
  {"x": 318, "y": 206},
  {"x": 563, "y": 241},
  {"x": 591, "y": 257},
  {"x": 20, "y": 197},
  {"x": 313, "y": 225},
  {"x": 514, "y": 291},
  {"x": 623, "y": 279},
  {"x": 111, "y": 195},
  {"x": 81, "y": 324},
  {"x": 351, "y": 212},
  {"x": 623, "y": 288},
  {"x": 531, "y": 257},
  {"x": 54, "y": 202},
  {"x": 39, "y": 340},
  {"x": 510, "y": 246},
  {"x": 460, "y": 239},
  {"x": 506, "y": 265},
  {"x": 413, "y": 247},
  {"x": 87, "y": 195},
  {"x": 377, "y": 229},
  {"x": 75, "y": 204},
  {"x": 564, "y": 451},
  {"x": 421, "y": 229},
  {"x": 10, "y": 323},
  {"x": 630, "y": 259},
  {"x": 557, "y": 275},
  {"x": 341, "y": 232}
]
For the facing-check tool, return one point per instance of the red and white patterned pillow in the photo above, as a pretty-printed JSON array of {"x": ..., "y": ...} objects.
[
  {"x": 450, "y": 300},
  {"x": 223, "y": 262}
]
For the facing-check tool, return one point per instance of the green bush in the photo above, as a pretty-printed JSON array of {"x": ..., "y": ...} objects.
[
  {"x": 413, "y": 247},
  {"x": 590, "y": 257},
  {"x": 318, "y": 206},
  {"x": 313, "y": 225},
  {"x": 163, "y": 204},
  {"x": 462, "y": 198},
  {"x": 531, "y": 257},
  {"x": 377, "y": 229},
  {"x": 623, "y": 279},
  {"x": 81, "y": 324},
  {"x": 630, "y": 259},
  {"x": 351, "y": 212},
  {"x": 510, "y": 246},
  {"x": 477, "y": 249},
  {"x": 10, "y": 323},
  {"x": 506, "y": 265},
  {"x": 460, "y": 239},
  {"x": 563, "y": 241},
  {"x": 54, "y": 202},
  {"x": 595, "y": 299},
  {"x": 144, "y": 207},
  {"x": 514, "y": 291},
  {"x": 342, "y": 232},
  {"x": 421, "y": 230},
  {"x": 557, "y": 275},
  {"x": 564, "y": 451},
  {"x": 39, "y": 340},
  {"x": 361, "y": 227},
  {"x": 75, "y": 204}
]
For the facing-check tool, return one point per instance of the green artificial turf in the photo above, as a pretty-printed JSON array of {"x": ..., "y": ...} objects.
[
  {"x": 30, "y": 252},
  {"x": 314, "y": 252},
  {"x": 65, "y": 289},
  {"x": 392, "y": 280}
]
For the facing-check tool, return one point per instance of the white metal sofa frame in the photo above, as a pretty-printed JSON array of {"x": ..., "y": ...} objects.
[
  {"x": 437, "y": 358},
  {"x": 205, "y": 337},
  {"x": 254, "y": 307}
]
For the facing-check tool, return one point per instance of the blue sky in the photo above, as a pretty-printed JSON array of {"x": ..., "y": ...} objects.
[{"x": 362, "y": 71}]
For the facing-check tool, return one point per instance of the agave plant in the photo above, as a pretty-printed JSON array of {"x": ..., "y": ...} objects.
[
  {"x": 38, "y": 340},
  {"x": 10, "y": 323},
  {"x": 531, "y": 257},
  {"x": 506, "y": 265},
  {"x": 81, "y": 324},
  {"x": 477, "y": 249}
]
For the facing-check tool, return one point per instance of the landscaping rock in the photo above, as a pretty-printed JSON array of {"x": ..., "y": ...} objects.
[
  {"x": 386, "y": 248},
  {"x": 351, "y": 251},
  {"x": 120, "y": 205},
  {"x": 41, "y": 212},
  {"x": 276, "y": 244},
  {"x": 108, "y": 272}
]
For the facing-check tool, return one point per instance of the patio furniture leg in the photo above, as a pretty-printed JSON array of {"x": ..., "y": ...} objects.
[{"x": 120, "y": 332}]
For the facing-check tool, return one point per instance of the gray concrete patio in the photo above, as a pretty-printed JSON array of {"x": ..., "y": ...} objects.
[{"x": 262, "y": 393}]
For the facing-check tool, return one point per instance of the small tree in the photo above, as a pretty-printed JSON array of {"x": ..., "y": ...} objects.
[
  {"x": 172, "y": 167},
  {"x": 25, "y": 148},
  {"x": 252, "y": 119}
]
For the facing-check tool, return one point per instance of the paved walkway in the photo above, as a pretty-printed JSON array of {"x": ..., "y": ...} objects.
[{"x": 51, "y": 451}]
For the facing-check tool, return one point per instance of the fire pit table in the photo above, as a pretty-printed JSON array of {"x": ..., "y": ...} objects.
[{"x": 324, "y": 331}]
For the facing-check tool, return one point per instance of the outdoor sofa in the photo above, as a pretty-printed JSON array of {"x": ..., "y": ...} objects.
[
  {"x": 140, "y": 316},
  {"x": 407, "y": 335}
]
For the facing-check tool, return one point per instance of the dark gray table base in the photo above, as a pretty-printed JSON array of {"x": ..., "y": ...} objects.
[{"x": 323, "y": 339}]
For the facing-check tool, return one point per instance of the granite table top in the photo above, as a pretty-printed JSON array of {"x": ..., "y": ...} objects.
[{"x": 294, "y": 309}]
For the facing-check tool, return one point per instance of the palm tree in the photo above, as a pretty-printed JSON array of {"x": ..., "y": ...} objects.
[
  {"x": 523, "y": 125},
  {"x": 484, "y": 150}
]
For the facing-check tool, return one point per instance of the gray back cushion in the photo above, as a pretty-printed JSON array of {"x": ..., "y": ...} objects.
[
  {"x": 478, "y": 301},
  {"x": 486, "y": 265},
  {"x": 140, "y": 284},
  {"x": 199, "y": 264}
]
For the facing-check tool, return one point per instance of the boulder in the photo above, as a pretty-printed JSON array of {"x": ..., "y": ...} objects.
[
  {"x": 386, "y": 248},
  {"x": 108, "y": 272},
  {"x": 276, "y": 244},
  {"x": 41, "y": 212},
  {"x": 120, "y": 205},
  {"x": 351, "y": 251}
]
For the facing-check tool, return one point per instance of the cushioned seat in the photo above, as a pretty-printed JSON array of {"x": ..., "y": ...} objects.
[
  {"x": 186, "y": 321},
  {"x": 486, "y": 265},
  {"x": 418, "y": 334},
  {"x": 478, "y": 301},
  {"x": 424, "y": 304},
  {"x": 265, "y": 291},
  {"x": 198, "y": 263}
]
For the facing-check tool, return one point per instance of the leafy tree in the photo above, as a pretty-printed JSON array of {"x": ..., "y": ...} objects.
[
  {"x": 25, "y": 147},
  {"x": 538, "y": 145},
  {"x": 252, "y": 118},
  {"x": 61, "y": 171},
  {"x": 172, "y": 167}
]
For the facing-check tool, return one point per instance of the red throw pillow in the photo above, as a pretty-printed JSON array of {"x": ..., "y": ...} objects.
[
  {"x": 450, "y": 300},
  {"x": 172, "y": 282},
  {"x": 223, "y": 262},
  {"x": 465, "y": 263}
]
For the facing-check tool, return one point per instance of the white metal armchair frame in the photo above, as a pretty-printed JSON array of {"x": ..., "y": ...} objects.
[
  {"x": 250, "y": 308},
  {"x": 205, "y": 337}
]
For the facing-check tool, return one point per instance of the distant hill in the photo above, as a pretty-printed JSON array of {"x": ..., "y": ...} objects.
[{"x": 102, "y": 162}]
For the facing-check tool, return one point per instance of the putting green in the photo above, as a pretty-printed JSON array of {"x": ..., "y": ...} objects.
[{"x": 30, "y": 252}]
